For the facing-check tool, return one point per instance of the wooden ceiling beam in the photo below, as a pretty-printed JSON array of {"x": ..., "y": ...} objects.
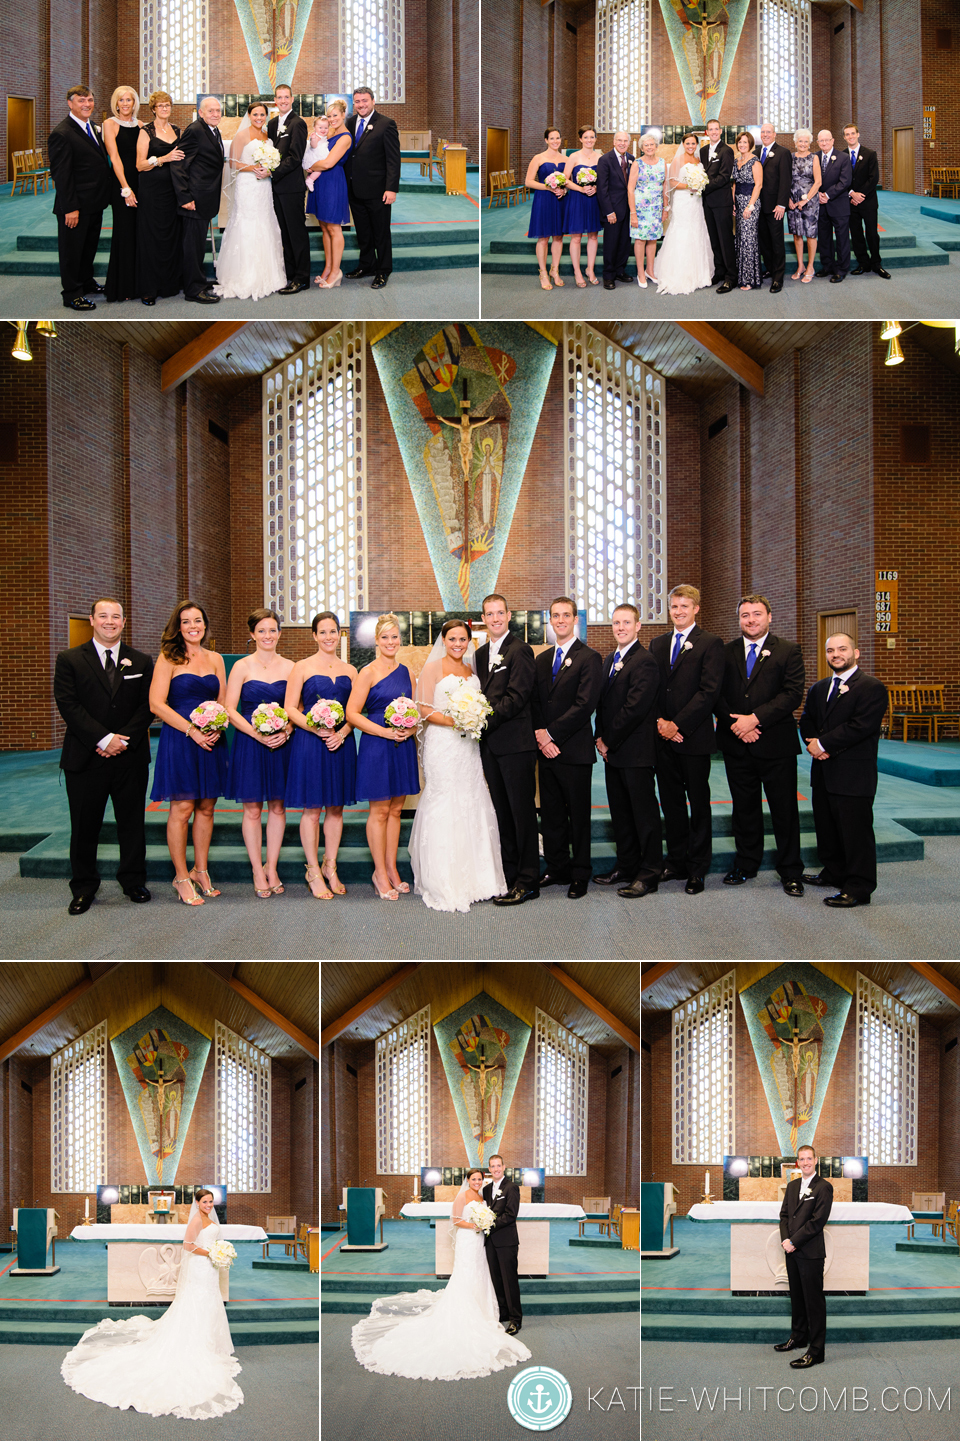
[
  {"x": 656, "y": 973},
  {"x": 51, "y": 1013},
  {"x": 607, "y": 1017},
  {"x": 929, "y": 974},
  {"x": 733, "y": 360},
  {"x": 185, "y": 362},
  {"x": 337, "y": 1027},
  {"x": 306, "y": 1043}
]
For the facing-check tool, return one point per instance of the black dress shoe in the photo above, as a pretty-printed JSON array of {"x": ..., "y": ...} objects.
[
  {"x": 670, "y": 873},
  {"x": 725, "y": 288},
  {"x": 792, "y": 1345},
  {"x": 776, "y": 287},
  {"x": 816, "y": 878},
  {"x": 860, "y": 270},
  {"x": 694, "y": 886},
  {"x": 843, "y": 900},
  {"x": 148, "y": 300},
  {"x": 611, "y": 878},
  {"x": 551, "y": 880},
  {"x": 517, "y": 896},
  {"x": 609, "y": 285},
  {"x": 139, "y": 894},
  {"x": 577, "y": 889},
  {"x": 824, "y": 274},
  {"x": 793, "y": 888},
  {"x": 637, "y": 889},
  {"x": 79, "y": 904},
  {"x": 834, "y": 280},
  {"x": 78, "y": 303},
  {"x": 205, "y": 297},
  {"x": 357, "y": 274},
  {"x": 294, "y": 288},
  {"x": 512, "y": 1329},
  {"x": 736, "y": 877},
  {"x": 883, "y": 274},
  {"x": 94, "y": 288},
  {"x": 812, "y": 1358},
  {"x": 380, "y": 281}
]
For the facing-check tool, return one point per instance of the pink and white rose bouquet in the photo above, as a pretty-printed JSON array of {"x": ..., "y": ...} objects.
[
  {"x": 210, "y": 717},
  {"x": 326, "y": 715},
  {"x": 268, "y": 718},
  {"x": 401, "y": 714}
]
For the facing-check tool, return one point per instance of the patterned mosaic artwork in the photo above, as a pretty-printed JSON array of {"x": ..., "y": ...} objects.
[
  {"x": 704, "y": 35},
  {"x": 273, "y": 30},
  {"x": 482, "y": 1048},
  {"x": 160, "y": 1061}
]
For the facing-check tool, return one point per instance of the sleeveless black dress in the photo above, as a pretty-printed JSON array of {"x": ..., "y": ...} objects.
[
  {"x": 159, "y": 242},
  {"x": 121, "y": 283}
]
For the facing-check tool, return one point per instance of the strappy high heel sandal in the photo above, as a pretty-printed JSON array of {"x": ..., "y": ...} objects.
[
  {"x": 555, "y": 277},
  {"x": 390, "y": 895},
  {"x": 544, "y": 282},
  {"x": 328, "y": 869},
  {"x": 313, "y": 874},
  {"x": 209, "y": 889},
  {"x": 262, "y": 895},
  {"x": 194, "y": 900}
]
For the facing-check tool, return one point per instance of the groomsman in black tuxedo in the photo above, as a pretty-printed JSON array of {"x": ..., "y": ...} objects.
[
  {"x": 763, "y": 682},
  {"x": 289, "y": 134},
  {"x": 80, "y": 167},
  {"x": 716, "y": 157},
  {"x": 863, "y": 205},
  {"x": 373, "y": 178},
  {"x": 102, "y": 690},
  {"x": 626, "y": 737},
  {"x": 691, "y": 670},
  {"x": 841, "y": 724},
  {"x": 613, "y": 170},
  {"x": 564, "y": 698},
  {"x": 777, "y": 166},
  {"x": 806, "y": 1208},
  {"x": 508, "y": 750},
  {"x": 833, "y": 226},
  {"x": 197, "y": 182},
  {"x": 502, "y": 1245}
]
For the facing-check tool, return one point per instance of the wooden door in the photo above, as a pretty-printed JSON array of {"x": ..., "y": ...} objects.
[
  {"x": 20, "y": 128},
  {"x": 80, "y": 630},
  {"x": 829, "y": 622},
  {"x": 498, "y": 150},
  {"x": 904, "y": 160}
]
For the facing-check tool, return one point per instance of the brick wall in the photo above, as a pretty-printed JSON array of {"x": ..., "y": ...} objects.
[
  {"x": 902, "y": 73},
  {"x": 949, "y": 1168},
  {"x": 16, "y": 1137},
  {"x": 939, "y": 84}
]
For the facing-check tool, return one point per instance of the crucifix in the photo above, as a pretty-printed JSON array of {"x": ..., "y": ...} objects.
[
  {"x": 466, "y": 428},
  {"x": 161, "y": 1086}
]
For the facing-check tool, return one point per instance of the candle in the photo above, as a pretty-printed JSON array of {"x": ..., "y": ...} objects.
[
  {"x": 706, "y": 1185},
  {"x": 86, "y": 1208}
]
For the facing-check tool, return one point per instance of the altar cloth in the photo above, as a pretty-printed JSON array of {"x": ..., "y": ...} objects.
[
  {"x": 160, "y": 1234},
  {"x": 529, "y": 1210},
  {"x": 862, "y": 1213}
]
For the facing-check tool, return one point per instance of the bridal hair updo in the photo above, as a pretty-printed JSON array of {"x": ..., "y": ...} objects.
[
  {"x": 691, "y": 135},
  {"x": 199, "y": 1195},
  {"x": 383, "y": 621},
  {"x": 474, "y": 1171},
  {"x": 257, "y": 105},
  {"x": 449, "y": 625},
  {"x": 173, "y": 647}
]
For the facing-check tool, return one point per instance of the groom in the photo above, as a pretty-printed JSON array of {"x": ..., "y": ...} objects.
[
  {"x": 717, "y": 160},
  {"x": 502, "y": 1245},
  {"x": 288, "y": 133}
]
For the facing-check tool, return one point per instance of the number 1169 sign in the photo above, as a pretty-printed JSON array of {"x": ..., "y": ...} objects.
[{"x": 887, "y": 582}]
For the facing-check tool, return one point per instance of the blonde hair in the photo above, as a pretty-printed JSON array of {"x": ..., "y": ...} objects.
[
  {"x": 124, "y": 90},
  {"x": 688, "y": 592},
  {"x": 386, "y": 620},
  {"x": 338, "y": 105}
]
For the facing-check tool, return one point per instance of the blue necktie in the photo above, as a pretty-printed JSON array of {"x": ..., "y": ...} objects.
[
  {"x": 763, "y": 155},
  {"x": 853, "y": 159},
  {"x": 92, "y": 136},
  {"x": 751, "y": 658},
  {"x": 557, "y": 662},
  {"x": 613, "y": 668},
  {"x": 359, "y": 131},
  {"x": 834, "y": 689},
  {"x": 677, "y": 642}
]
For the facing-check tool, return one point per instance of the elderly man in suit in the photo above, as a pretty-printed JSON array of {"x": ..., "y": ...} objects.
[
  {"x": 197, "y": 182},
  {"x": 865, "y": 168},
  {"x": 81, "y": 172},
  {"x": 763, "y": 681},
  {"x": 841, "y": 725},
  {"x": 373, "y": 179},
  {"x": 564, "y": 698},
  {"x": 804, "y": 1213},
  {"x": 102, "y": 691},
  {"x": 613, "y": 170},
  {"x": 777, "y": 166},
  {"x": 716, "y": 157},
  {"x": 626, "y": 737},
  {"x": 833, "y": 226}
]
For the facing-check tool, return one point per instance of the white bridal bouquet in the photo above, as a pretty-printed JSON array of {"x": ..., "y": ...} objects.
[
  {"x": 265, "y": 153},
  {"x": 268, "y": 718},
  {"x": 222, "y": 1255},
  {"x": 209, "y": 717},
  {"x": 469, "y": 710},
  {"x": 694, "y": 178},
  {"x": 481, "y": 1215}
]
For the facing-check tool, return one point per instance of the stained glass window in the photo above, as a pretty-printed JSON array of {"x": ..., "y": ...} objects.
[
  {"x": 561, "y": 1071},
  {"x": 174, "y": 49},
  {"x": 78, "y": 1108},
  {"x": 783, "y": 64},
  {"x": 371, "y": 48},
  {"x": 886, "y": 1077},
  {"x": 242, "y": 1109},
  {"x": 704, "y": 1073},
  {"x": 622, "y": 64},
  {"x": 314, "y": 489},
  {"x": 403, "y": 1097}
]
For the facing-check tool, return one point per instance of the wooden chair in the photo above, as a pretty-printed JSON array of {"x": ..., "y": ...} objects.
[
  {"x": 902, "y": 705},
  {"x": 597, "y": 1209},
  {"x": 439, "y": 161},
  {"x": 41, "y": 171},
  {"x": 945, "y": 181},
  {"x": 612, "y": 1226},
  {"x": 930, "y": 704},
  {"x": 497, "y": 192},
  {"x": 952, "y": 1222},
  {"x": 286, "y": 1226},
  {"x": 24, "y": 173},
  {"x": 929, "y": 1202},
  {"x": 301, "y": 1246},
  {"x": 513, "y": 189}
]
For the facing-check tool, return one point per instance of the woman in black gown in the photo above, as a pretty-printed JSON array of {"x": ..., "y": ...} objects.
[
  {"x": 159, "y": 246},
  {"x": 120, "y": 133}
]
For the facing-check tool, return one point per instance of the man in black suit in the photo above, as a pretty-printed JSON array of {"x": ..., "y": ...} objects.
[
  {"x": 833, "y": 225},
  {"x": 502, "y": 1245},
  {"x": 289, "y": 134},
  {"x": 197, "y": 182},
  {"x": 717, "y": 160},
  {"x": 80, "y": 167},
  {"x": 841, "y": 724},
  {"x": 774, "y": 194},
  {"x": 613, "y": 170},
  {"x": 508, "y": 750},
  {"x": 691, "y": 670},
  {"x": 373, "y": 179},
  {"x": 626, "y": 737},
  {"x": 763, "y": 681},
  {"x": 865, "y": 168},
  {"x": 102, "y": 690},
  {"x": 564, "y": 698},
  {"x": 803, "y": 1215}
]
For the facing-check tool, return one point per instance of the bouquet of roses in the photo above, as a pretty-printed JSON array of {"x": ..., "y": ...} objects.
[
  {"x": 265, "y": 153},
  {"x": 268, "y": 718},
  {"x": 469, "y": 710},
  {"x": 694, "y": 178},
  {"x": 210, "y": 717},
  {"x": 481, "y": 1215},
  {"x": 326, "y": 715},
  {"x": 222, "y": 1255},
  {"x": 557, "y": 182},
  {"x": 586, "y": 175},
  {"x": 401, "y": 714}
]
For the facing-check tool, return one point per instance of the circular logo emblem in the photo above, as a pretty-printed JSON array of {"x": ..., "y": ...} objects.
[{"x": 539, "y": 1398}]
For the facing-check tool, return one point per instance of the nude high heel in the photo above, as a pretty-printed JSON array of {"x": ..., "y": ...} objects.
[
  {"x": 194, "y": 899},
  {"x": 332, "y": 284},
  {"x": 209, "y": 889}
]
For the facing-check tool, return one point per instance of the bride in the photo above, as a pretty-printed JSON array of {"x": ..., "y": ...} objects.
[
  {"x": 454, "y": 862},
  {"x": 443, "y": 1335},
  {"x": 250, "y": 264},
  {"x": 181, "y": 1365},
  {"x": 685, "y": 260}
]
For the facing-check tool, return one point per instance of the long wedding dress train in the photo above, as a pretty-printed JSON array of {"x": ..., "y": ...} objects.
[
  {"x": 684, "y": 261},
  {"x": 250, "y": 263}
]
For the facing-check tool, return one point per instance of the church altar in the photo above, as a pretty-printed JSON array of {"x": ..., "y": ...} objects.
[
  {"x": 143, "y": 1262},
  {"x": 529, "y": 1211},
  {"x": 533, "y": 1221},
  {"x": 166, "y": 1234},
  {"x": 843, "y": 1212}
]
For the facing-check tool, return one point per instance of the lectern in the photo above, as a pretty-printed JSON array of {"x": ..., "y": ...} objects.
[
  {"x": 657, "y": 1206},
  {"x": 365, "y": 1207},
  {"x": 36, "y": 1230}
]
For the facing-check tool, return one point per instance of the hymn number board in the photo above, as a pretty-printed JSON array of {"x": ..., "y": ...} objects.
[{"x": 886, "y": 599}]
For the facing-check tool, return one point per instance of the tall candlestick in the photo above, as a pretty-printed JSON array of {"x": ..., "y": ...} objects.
[
  {"x": 706, "y": 1185},
  {"x": 86, "y": 1208}
]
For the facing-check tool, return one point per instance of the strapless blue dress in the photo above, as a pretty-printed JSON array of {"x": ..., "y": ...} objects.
[
  {"x": 386, "y": 768},
  {"x": 328, "y": 199},
  {"x": 185, "y": 771},
  {"x": 257, "y": 773},
  {"x": 319, "y": 777},
  {"x": 546, "y": 214},
  {"x": 581, "y": 213}
]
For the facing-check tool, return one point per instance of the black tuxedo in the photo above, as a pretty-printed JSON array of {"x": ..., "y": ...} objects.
[
  {"x": 627, "y": 724},
  {"x": 843, "y": 787},
  {"x": 508, "y": 753},
  {"x": 863, "y": 217},
  {"x": 774, "y": 191},
  {"x": 833, "y": 223},
  {"x": 563, "y": 707},
  {"x": 197, "y": 177},
  {"x": 613, "y": 200},
  {"x": 91, "y": 709},
  {"x": 772, "y": 693},
  {"x": 81, "y": 173},
  {"x": 502, "y": 1246},
  {"x": 802, "y": 1223},
  {"x": 373, "y": 167},
  {"x": 718, "y": 210},
  {"x": 289, "y": 190},
  {"x": 688, "y": 694}
]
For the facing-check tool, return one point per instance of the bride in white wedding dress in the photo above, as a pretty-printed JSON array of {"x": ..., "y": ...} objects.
[
  {"x": 443, "y": 1335},
  {"x": 181, "y": 1365},
  {"x": 684, "y": 262},
  {"x": 454, "y": 845},
  {"x": 250, "y": 264}
]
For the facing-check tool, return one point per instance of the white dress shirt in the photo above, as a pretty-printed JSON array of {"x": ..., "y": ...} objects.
[
  {"x": 683, "y": 634},
  {"x": 747, "y": 643},
  {"x": 102, "y": 651}
]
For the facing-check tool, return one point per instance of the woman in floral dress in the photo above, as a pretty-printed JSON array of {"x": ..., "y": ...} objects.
[
  {"x": 645, "y": 194},
  {"x": 803, "y": 215},
  {"x": 747, "y": 179}
]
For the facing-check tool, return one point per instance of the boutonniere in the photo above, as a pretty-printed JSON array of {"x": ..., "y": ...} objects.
[
  {"x": 568, "y": 661},
  {"x": 619, "y": 665},
  {"x": 687, "y": 645},
  {"x": 842, "y": 688},
  {"x": 764, "y": 654},
  {"x": 496, "y": 662},
  {"x": 126, "y": 661}
]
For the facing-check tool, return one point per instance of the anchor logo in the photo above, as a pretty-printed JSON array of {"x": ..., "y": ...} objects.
[
  {"x": 539, "y": 1409},
  {"x": 539, "y": 1398}
]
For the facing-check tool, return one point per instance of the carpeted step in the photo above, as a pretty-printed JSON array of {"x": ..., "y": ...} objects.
[
  {"x": 245, "y": 1333},
  {"x": 431, "y": 251},
  {"x": 90, "y": 1313},
  {"x": 402, "y": 236},
  {"x": 768, "y": 1330},
  {"x": 940, "y": 210},
  {"x": 269, "y": 1265},
  {"x": 519, "y": 265},
  {"x": 567, "y": 1304},
  {"x": 904, "y": 1303},
  {"x": 932, "y": 1248},
  {"x": 566, "y": 1285}
]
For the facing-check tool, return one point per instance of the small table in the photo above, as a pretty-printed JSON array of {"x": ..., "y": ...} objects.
[{"x": 455, "y": 169}]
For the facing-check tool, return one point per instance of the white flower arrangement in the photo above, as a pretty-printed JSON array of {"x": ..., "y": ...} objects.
[
  {"x": 619, "y": 665},
  {"x": 764, "y": 654},
  {"x": 126, "y": 661},
  {"x": 469, "y": 710},
  {"x": 568, "y": 661},
  {"x": 481, "y": 1215},
  {"x": 694, "y": 177},
  {"x": 687, "y": 645},
  {"x": 842, "y": 688},
  {"x": 497, "y": 661},
  {"x": 265, "y": 153},
  {"x": 222, "y": 1255}
]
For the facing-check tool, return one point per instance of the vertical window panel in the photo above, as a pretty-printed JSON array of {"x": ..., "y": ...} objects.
[
  {"x": 886, "y": 1077},
  {"x": 174, "y": 48},
  {"x": 783, "y": 64},
  {"x": 403, "y": 1097},
  {"x": 561, "y": 1072},
  {"x": 371, "y": 48},
  {"x": 704, "y": 1075},
  {"x": 622, "y": 64},
  {"x": 242, "y": 1111},
  {"x": 78, "y": 1108}
]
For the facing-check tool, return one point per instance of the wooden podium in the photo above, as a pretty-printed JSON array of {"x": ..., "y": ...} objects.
[
  {"x": 455, "y": 169},
  {"x": 630, "y": 1229}
]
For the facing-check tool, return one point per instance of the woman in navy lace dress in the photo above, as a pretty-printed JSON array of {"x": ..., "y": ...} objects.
[{"x": 747, "y": 179}]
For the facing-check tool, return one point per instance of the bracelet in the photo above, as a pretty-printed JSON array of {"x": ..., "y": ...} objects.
[{"x": 153, "y": 161}]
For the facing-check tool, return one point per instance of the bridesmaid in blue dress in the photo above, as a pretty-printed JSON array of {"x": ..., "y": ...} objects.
[
  {"x": 387, "y": 770},
  {"x": 546, "y": 214},
  {"x": 328, "y": 198},
  {"x": 581, "y": 209},
  {"x": 258, "y": 765},
  {"x": 191, "y": 767},
  {"x": 323, "y": 763}
]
